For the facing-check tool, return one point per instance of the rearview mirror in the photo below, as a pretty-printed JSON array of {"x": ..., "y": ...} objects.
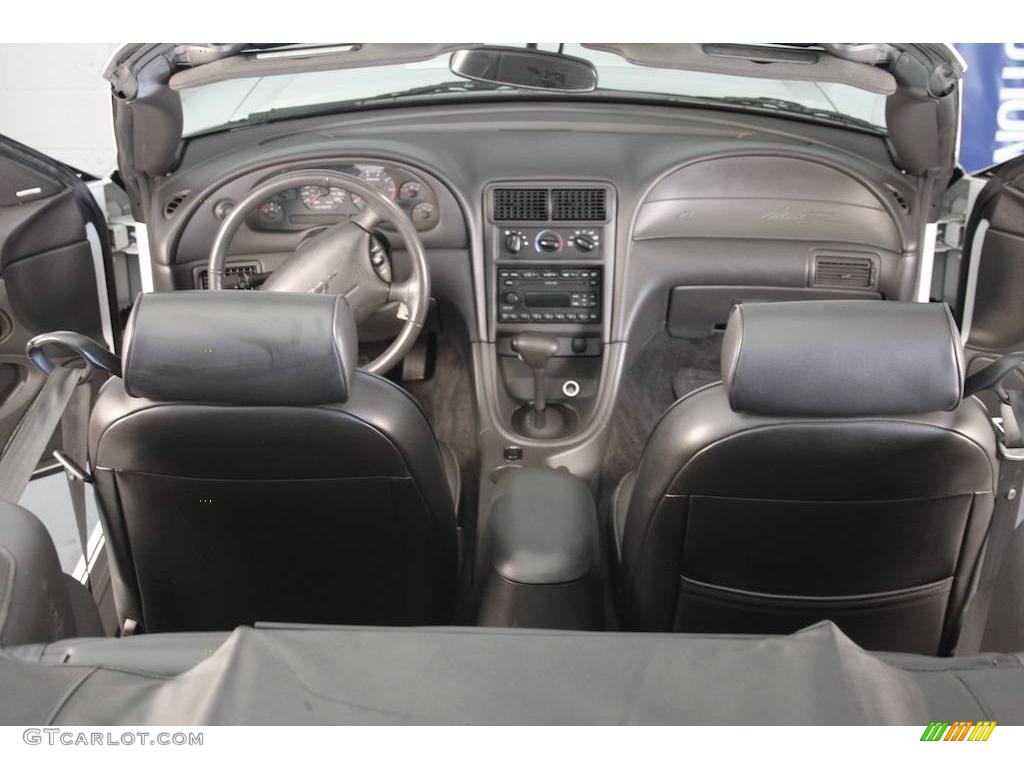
[{"x": 525, "y": 68}]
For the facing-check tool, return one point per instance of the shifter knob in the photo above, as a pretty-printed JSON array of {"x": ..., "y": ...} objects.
[{"x": 536, "y": 349}]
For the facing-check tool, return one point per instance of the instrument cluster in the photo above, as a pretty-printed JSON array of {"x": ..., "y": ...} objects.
[{"x": 315, "y": 206}]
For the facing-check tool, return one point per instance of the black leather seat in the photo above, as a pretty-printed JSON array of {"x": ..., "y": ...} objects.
[
  {"x": 835, "y": 473},
  {"x": 247, "y": 472}
]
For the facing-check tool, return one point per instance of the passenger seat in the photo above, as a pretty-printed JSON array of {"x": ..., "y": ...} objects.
[{"x": 835, "y": 473}]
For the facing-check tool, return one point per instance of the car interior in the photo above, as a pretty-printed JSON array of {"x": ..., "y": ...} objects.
[{"x": 535, "y": 359}]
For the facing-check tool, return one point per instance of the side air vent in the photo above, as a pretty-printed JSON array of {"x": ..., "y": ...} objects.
[
  {"x": 520, "y": 204},
  {"x": 900, "y": 199},
  {"x": 230, "y": 276},
  {"x": 578, "y": 204},
  {"x": 172, "y": 205},
  {"x": 843, "y": 272}
]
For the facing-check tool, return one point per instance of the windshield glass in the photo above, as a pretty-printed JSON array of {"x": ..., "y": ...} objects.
[{"x": 216, "y": 104}]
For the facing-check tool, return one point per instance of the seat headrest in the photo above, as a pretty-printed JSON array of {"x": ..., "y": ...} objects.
[
  {"x": 842, "y": 358},
  {"x": 240, "y": 347}
]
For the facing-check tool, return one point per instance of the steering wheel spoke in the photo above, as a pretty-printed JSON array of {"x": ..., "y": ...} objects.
[
  {"x": 338, "y": 259},
  {"x": 367, "y": 219},
  {"x": 402, "y": 292},
  {"x": 365, "y": 301}
]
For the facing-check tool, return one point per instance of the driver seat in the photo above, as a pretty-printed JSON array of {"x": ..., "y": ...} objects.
[{"x": 246, "y": 471}]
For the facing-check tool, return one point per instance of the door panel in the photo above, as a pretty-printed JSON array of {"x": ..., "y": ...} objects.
[
  {"x": 994, "y": 321},
  {"x": 996, "y": 324},
  {"x": 47, "y": 272}
]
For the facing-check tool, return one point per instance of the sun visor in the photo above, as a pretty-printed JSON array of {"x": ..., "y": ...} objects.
[
  {"x": 770, "y": 62},
  {"x": 308, "y": 58}
]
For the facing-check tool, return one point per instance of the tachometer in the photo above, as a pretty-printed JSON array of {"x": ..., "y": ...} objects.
[
  {"x": 317, "y": 198},
  {"x": 377, "y": 177}
]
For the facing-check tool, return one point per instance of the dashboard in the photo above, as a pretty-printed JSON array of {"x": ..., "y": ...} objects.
[
  {"x": 309, "y": 206},
  {"x": 703, "y": 209}
]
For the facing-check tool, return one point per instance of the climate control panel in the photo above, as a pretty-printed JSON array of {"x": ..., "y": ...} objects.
[{"x": 534, "y": 242}]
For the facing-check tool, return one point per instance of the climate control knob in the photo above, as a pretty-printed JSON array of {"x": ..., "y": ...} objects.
[
  {"x": 549, "y": 241},
  {"x": 514, "y": 242},
  {"x": 585, "y": 243}
]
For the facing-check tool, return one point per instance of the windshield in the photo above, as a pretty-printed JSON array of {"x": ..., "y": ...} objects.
[{"x": 217, "y": 104}]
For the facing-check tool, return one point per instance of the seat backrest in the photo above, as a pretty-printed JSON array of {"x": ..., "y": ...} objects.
[
  {"x": 246, "y": 472},
  {"x": 835, "y": 473}
]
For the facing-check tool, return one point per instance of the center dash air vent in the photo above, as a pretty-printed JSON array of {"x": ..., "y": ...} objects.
[
  {"x": 172, "y": 205},
  {"x": 584, "y": 204},
  {"x": 520, "y": 204},
  {"x": 203, "y": 277},
  {"x": 843, "y": 271}
]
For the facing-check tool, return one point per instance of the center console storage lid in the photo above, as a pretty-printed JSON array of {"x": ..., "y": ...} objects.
[
  {"x": 540, "y": 563},
  {"x": 542, "y": 527}
]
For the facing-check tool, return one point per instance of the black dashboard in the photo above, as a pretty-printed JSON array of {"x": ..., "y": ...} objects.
[{"x": 701, "y": 199}]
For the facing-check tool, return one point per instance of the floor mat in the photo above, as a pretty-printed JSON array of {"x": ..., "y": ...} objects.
[{"x": 664, "y": 367}]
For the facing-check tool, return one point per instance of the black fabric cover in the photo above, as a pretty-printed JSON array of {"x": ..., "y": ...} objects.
[
  {"x": 240, "y": 348},
  {"x": 842, "y": 358},
  {"x": 473, "y": 676}
]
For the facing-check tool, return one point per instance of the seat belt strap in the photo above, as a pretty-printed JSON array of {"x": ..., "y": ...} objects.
[
  {"x": 22, "y": 453},
  {"x": 1011, "y": 409},
  {"x": 74, "y": 427}
]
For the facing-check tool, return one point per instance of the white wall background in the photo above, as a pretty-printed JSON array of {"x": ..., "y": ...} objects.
[{"x": 53, "y": 99}]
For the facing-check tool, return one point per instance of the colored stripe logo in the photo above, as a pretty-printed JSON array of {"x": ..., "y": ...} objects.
[{"x": 961, "y": 730}]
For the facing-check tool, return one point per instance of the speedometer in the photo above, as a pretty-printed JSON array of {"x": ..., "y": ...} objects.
[{"x": 317, "y": 198}]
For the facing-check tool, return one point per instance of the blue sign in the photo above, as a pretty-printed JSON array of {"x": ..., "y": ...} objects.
[{"x": 993, "y": 104}]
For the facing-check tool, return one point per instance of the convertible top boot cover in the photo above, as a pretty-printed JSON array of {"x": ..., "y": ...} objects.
[{"x": 485, "y": 676}]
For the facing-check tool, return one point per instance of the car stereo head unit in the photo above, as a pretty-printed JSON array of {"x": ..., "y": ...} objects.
[{"x": 545, "y": 294}]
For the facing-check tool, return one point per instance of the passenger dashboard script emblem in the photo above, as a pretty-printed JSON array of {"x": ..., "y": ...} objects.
[
  {"x": 964, "y": 730},
  {"x": 786, "y": 213}
]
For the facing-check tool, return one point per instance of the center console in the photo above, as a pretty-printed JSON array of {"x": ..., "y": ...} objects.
[{"x": 550, "y": 258}]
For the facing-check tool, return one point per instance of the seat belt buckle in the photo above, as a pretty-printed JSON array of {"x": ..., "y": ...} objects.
[{"x": 73, "y": 470}]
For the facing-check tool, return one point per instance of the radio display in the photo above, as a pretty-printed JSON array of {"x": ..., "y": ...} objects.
[{"x": 545, "y": 299}]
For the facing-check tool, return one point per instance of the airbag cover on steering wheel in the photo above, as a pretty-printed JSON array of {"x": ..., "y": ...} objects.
[{"x": 240, "y": 347}]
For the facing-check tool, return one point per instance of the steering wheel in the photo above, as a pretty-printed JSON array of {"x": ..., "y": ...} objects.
[{"x": 343, "y": 258}]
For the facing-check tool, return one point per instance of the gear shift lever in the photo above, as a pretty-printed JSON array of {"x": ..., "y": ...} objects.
[{"x": 536, "y": 349}]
